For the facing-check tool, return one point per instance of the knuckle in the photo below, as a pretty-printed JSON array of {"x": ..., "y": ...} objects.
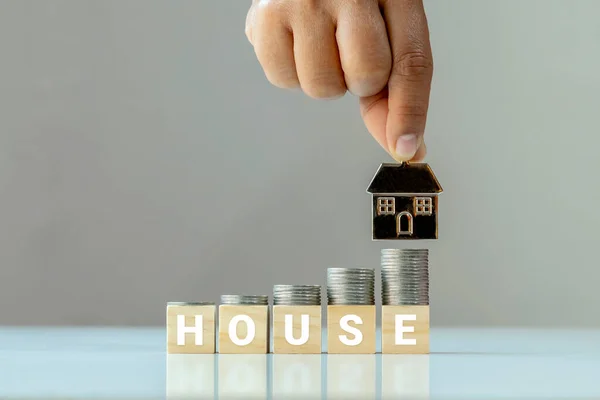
[
  {"x": 279, "y": 72},
  {"x": 325, "y": 93},
  {"x": 270, "y": 11},
  {"x": 324, "y": 87},
  {"x": 310, "y": 6},
  {"x": 368, "y": 82},
  {"x": 283, "y": 82},
  {"x": 415, "y": 65},
  {"x": 415, "y": 110}
]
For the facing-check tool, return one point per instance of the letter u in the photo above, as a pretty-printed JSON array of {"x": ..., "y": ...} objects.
[{"x": 304, "y": 329}]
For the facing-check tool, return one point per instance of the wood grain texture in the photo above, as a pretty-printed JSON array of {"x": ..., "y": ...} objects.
[
  {"x": 313, "y": 343},
  {"x": 260, "y": 317},
  {"x": 420, "y": 326},
  {"x": 335, "y": 343},
  {"x": 189, "y": 312}
]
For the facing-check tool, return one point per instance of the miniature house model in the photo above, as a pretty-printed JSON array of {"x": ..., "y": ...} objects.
[{"x": 405, "y": 202}]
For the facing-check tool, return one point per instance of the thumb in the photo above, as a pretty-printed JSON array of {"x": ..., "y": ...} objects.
[{"x": 409, "y": 84}]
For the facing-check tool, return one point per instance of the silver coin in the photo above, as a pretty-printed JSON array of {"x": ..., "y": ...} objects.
[
  {"x": 297, "y": 295},
  {"x": 405, "y": 276},
  {"x": 350, "y": 286},
  {"x": 244, "y": 299},
  {"x": 295, "y": 288}
]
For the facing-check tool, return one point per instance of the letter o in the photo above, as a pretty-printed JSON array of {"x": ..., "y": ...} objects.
[{"x": 250, "y": 333}]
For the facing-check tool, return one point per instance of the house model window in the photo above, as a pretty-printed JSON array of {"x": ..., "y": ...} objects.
[
  {"x": 423, "y": 206},
  {"x": 386, "y": 206}
]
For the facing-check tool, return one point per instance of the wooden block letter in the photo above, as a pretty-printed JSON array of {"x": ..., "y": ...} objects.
[
  {"x": 351, "y": 329},
  {"x": 297, "y": 329},
  {"x": 243, "y": 329},
  {"x": 405, "y": 329},
  {"x": 190, "y": 328}
]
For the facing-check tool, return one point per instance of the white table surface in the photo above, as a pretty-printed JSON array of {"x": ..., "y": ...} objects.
[{"x": 464, "y": 363}]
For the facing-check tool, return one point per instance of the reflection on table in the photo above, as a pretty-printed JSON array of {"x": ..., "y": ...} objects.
[
  {"x": 284, "y": 376},
  {"x": 107, "y": 363}
]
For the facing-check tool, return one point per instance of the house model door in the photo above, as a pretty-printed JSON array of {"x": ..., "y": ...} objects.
[{"x": 404, "y": 224}]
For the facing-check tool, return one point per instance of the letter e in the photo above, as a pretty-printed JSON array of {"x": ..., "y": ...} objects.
[{"x": 400, "y": 329}]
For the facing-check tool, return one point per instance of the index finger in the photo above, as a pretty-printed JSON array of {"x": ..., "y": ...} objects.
[{"x": 409, "y": 84}]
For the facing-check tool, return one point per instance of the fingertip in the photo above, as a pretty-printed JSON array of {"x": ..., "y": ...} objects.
[
  {"x": 406, "y": 146},
  {"x": 412, "y": 155},
  {"x": 421, "y": 153}
]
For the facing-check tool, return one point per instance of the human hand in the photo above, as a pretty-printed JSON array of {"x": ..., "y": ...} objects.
[{"x": 377, "y": 50}]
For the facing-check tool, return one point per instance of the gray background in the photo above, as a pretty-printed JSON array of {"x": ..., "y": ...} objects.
[{"x": 145, "y": 158}]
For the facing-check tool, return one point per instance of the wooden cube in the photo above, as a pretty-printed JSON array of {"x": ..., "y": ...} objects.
[
  {"x": 243, "y": 329},
  {"x": 297, "y": 329},
  {"x": 405, "y": 329},
  {"x": 351, "y": 329},
  {"x": 191, "y": 328}
]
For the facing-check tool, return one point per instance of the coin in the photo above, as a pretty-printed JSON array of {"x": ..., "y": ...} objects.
[
  {"x": 244, "y": 299},
  {"x": 297, "y": 295},
  {"x": 405, "y": 276},
  {"x": 350, "y": 286}
]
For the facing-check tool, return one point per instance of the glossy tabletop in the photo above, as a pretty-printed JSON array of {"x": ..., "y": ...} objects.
[{"x": 464, "y": 363}]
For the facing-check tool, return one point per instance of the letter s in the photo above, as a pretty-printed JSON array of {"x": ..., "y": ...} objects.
[{"x": 358, "y": 336}]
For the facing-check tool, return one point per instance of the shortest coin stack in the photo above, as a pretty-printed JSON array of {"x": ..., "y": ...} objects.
[
  {"x": 351, "y": 286},
  {"x": 190, "y": 303},
  {"x": 405, "y": 277},
  {"x": 297, "y": 295},
  {"x": 255, "y": 300}
]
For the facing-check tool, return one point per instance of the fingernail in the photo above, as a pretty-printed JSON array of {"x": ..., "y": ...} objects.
[{"x": 406, "y": 146}]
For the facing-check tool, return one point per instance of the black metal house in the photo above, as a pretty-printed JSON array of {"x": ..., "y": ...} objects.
[{"x": 405, "y": 202}]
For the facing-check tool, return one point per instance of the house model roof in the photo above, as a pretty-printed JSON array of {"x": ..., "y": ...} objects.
[{"x": 413, "y": 178}]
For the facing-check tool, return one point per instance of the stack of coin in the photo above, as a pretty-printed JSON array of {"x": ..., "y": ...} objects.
[
  {"x": 405, "y": 277},
  {"x": 297, "y": 295},
  {"x": 190, "y": 303},
  {"x": 255, "y": 300},
  {"x": 351, "y": 286}
]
